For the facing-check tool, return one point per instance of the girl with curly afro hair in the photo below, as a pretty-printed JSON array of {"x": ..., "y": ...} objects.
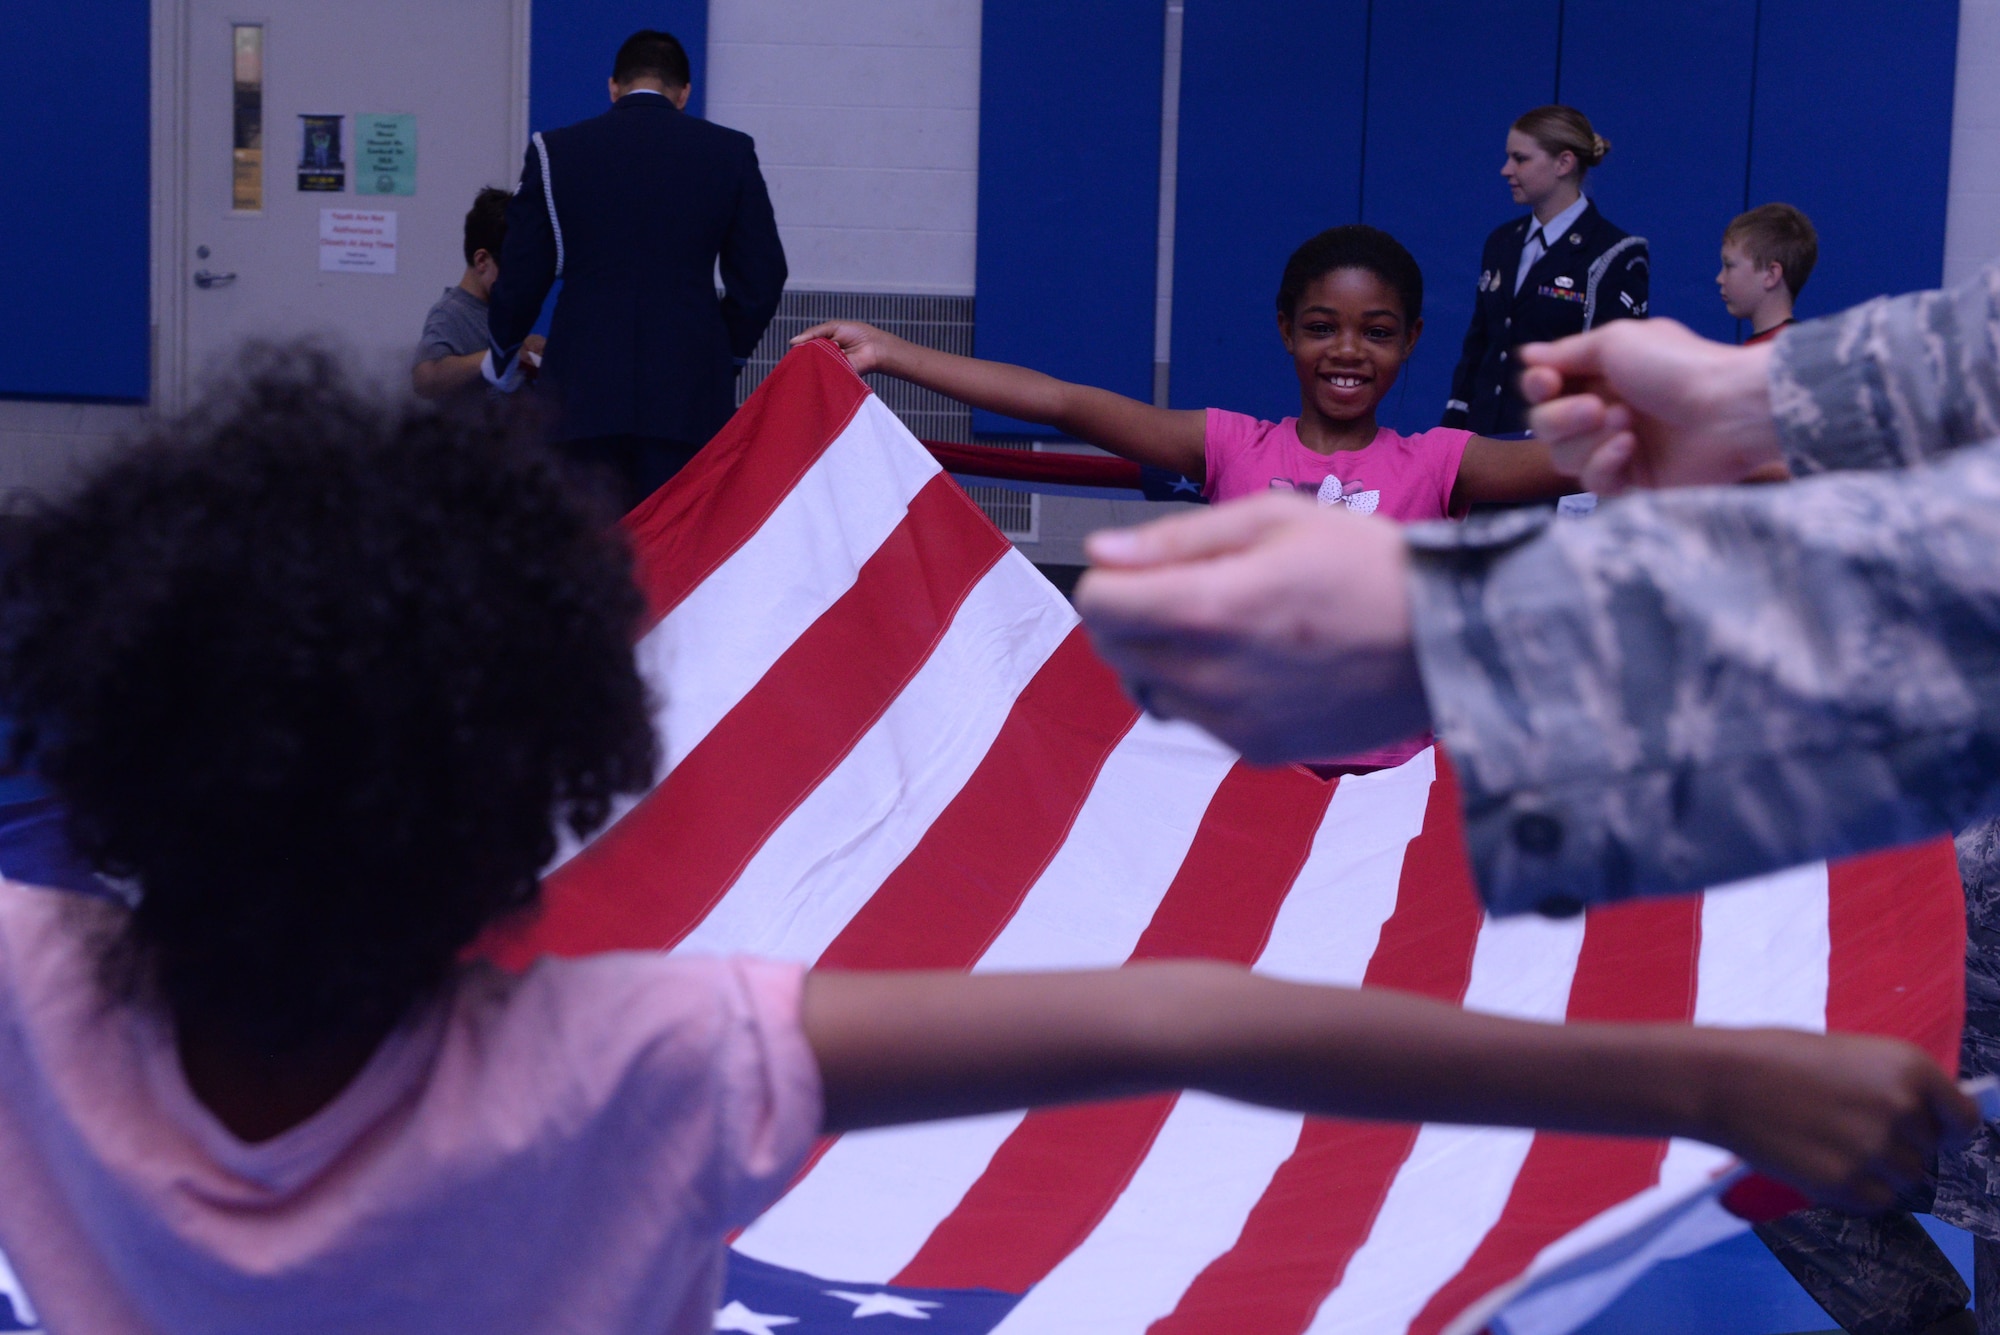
[{"x": 318, "y": 678}]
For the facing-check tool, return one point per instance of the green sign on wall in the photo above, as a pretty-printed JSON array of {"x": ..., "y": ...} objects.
[{"x": 385, "y": 155}]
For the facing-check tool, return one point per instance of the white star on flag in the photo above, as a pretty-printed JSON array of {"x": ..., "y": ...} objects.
[
  {"x": 737, "y": 1317},
  {"x": 884, "y": 1304}
]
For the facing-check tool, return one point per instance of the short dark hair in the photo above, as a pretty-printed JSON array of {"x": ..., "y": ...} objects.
[
  {"x": 650, "y": 52},
  {"x": 486, "y": 223},
  {"x": 1777, "y": 234},
  {"x": 320, "y": 673},
  {"x": 1353, "y": 246}
]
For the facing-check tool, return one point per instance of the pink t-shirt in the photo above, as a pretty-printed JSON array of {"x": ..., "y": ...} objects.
[
  {"x": 1405, "y": 478},
  {"x": 562, "y": 1150}
]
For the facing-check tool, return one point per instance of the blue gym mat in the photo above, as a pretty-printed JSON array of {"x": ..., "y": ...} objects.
[{"x": 1736, "y": 1288}]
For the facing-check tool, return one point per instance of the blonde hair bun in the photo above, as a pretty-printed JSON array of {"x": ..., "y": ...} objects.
[{"x": 1560, "y": 129}]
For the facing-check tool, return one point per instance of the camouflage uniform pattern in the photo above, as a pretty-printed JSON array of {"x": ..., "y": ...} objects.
[
  {"x": 1894, "y": 382},
  {"x": 1696, "y": 686},
  {"x": 1840, "y": 408},
  {"x": 1879, "y": 1276},
  {"x": 1700, "y": 686},
  {"x": 1968, "y": 1180}
]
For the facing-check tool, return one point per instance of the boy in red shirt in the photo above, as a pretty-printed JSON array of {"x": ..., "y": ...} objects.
[{"x": 1767, "y": 255}]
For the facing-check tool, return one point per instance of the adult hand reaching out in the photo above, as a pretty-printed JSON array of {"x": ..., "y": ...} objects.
[
  {"x": 1648, "y": 403},
  {"x": 1280, "y": 626}
]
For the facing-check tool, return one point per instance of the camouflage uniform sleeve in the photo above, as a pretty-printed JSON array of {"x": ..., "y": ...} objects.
[
  {"x": 1892, "y": 382},
  {"x": 1697, "y": 686}
]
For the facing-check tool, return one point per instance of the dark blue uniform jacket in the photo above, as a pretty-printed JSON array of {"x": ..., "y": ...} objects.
[
  {"x": 1592, "y": 273},
  {"x": 636, "y": 207}
]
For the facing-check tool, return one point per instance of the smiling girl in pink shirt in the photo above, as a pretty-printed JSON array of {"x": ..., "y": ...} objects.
[{"x": 1350, "y": 311}]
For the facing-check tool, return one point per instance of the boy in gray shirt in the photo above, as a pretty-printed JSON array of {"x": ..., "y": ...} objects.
[{"x": 454, "y": 338}]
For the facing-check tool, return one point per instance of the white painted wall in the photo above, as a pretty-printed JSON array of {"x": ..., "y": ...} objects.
[
  {"x": 866, "y": 116},
  {"x": 1972, "y": 213}
]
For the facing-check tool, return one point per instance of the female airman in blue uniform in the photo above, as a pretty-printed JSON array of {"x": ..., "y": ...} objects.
[{"x": 1559, "y": 271}]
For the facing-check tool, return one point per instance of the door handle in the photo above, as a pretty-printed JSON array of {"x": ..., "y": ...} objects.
[{"x": 203, "y": 278}]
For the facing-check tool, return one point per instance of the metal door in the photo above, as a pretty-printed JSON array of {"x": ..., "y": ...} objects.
[{"x": 241, "y": 252}]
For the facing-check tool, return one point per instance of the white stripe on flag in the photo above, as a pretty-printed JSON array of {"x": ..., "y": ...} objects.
[
  {"x": 872, "y": 1200},
  {"x": 1764, "y": 952},
  {"x": 821, "y": 865},
  {"x": 1089, "y": 907},
  {"x": 1677, "y": 1218},
  {"x": 1327, "y": 927},
  {"x": 1451, "y": 1190},
  {"x": 725, "y": 635},
  {"x": 1087, "y": 910},
  {"x": 1185, "y": 1206},
  {"x": 1189, "y": 1199}
]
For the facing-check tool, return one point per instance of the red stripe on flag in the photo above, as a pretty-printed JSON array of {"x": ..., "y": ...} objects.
[
  {"x": 686, "y": 529},
  {"x": 956, "y": 891},
  {"x": 1639, "y": 963},
  {"x": 1323, "y": 1200},
  {"x": 1896, "y": 964},
  {"x": 1045, "y": 1189},
  {"x": 648, "y": 880},
  {"x": 1054, "y": 1178}
]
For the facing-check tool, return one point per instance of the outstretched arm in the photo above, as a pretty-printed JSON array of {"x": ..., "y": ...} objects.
[
  {"x": 1889, "y": 384},
  {"x": 1507, "y": 472},
  {"x": 1163, "y": 437},
  {"x": 1847, "y": 1119},
  {"x": 1693, "y": 687}
]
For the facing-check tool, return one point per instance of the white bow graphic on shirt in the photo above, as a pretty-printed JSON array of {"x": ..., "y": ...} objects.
[{"x": 1361, "y": 502}]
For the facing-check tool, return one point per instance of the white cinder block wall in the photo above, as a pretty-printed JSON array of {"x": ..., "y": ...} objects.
[{"x": 866, "y": 116}]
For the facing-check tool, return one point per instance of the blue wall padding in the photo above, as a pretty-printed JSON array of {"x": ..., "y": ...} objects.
[
  {"x": 1270, "y": 153},
  {"x": 1838, "y": 106},
  {"x": 75, "y": 83},
  {"x": 1676, "y": 171},
  {"x": 1069, "y": 191},
  {"x": 1854, "y": 126},
  {"x": 1445, "y": 80},
  {"x": 574, "y": 42}
]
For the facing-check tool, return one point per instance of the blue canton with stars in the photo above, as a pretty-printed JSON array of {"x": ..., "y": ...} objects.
[
  {"x": 763, "y": 1299},
  {"x": 1159, "y": 485}
]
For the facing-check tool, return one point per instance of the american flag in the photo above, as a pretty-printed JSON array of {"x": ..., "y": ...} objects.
[{"x": 888, "y": 745}]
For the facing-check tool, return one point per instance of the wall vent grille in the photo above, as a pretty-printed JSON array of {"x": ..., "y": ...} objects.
[{"x": 944, "y": 323}]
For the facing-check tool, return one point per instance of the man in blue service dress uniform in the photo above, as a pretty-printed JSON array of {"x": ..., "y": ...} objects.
[
  {"x": 1580, "y": 272},
  {"x": 632, "y": 210}
]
